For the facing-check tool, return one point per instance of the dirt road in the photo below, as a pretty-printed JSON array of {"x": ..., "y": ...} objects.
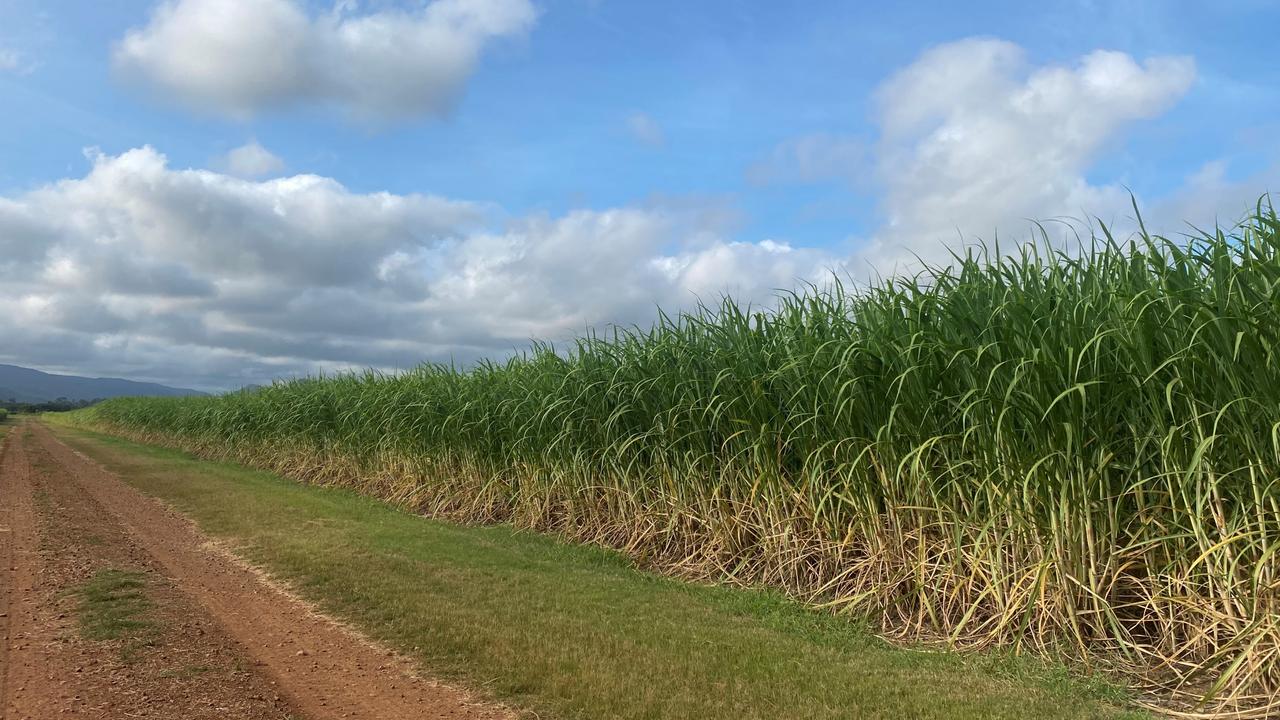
[{"x": 212, "y": 639}]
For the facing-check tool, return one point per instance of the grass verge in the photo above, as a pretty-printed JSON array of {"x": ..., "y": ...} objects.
[{"x": 576, "y": 632}]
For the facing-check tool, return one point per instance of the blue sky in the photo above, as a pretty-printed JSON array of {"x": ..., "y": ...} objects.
[{"x": 685, "y": 148}]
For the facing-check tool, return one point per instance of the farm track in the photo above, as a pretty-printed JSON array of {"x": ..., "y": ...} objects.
[{"x": 226, "y": 643}]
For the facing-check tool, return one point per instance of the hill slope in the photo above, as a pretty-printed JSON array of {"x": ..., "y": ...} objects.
[{"x": 27, "y": 385}]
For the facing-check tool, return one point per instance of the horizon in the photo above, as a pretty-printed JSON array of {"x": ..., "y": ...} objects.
[{"x": 211, "y": 194}]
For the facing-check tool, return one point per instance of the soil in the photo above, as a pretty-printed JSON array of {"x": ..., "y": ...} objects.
[{"x": 218, "y": 639}]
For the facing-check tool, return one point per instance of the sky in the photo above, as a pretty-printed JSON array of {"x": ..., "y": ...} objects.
[{"x": 214, "y": 193}]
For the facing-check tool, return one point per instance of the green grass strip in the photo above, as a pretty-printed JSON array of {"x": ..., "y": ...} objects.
[
  {"x": 113, "y": 606},
  {"x": 569, "y": 631}
]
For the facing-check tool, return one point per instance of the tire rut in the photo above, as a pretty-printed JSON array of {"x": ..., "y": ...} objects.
[
  {"x": 294, "y": 660},
  {"x": 98, "y": 630}
]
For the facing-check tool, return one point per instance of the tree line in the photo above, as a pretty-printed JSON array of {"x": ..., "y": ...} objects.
[{"x": 61, "y": 404}]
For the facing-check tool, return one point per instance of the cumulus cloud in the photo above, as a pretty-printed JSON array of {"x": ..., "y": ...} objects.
[
  {"x": 296, "y": 229},
  {"x": 241, "y": 57},
  {"x": 205, "y": 278},
  {"x": 554, "y": 277},
  {"x": 250, "y": 160},
  {"x": 975, "y": 139},
  {"x": 198, "y": 277}
]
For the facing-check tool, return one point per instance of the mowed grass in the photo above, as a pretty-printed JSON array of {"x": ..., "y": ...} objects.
[{"x": 567, "y": 631}]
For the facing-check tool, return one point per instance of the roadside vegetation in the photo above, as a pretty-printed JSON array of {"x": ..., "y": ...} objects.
[
  {"x": 1071, "y": 452},
  {"x": 577, "y": 632},
  {"x": 34, "y": 408}
]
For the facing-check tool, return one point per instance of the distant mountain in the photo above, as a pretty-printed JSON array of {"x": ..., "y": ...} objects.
[{"x": 32, "y": 386}]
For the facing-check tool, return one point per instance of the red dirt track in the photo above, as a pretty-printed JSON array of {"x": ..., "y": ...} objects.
[{"x": 226, "y": 643}]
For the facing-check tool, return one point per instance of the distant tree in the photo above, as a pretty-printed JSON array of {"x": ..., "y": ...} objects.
[{"x": 59, "y": 405}]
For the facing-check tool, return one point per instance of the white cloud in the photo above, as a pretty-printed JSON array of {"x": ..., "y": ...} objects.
[
  {"x": 241, "y": 57},
  {"x": 973, "y": 138},
  {"x": 197, "y": 277},
  {"x": 554, "y": 277},
  {"x": 251, "y": 160},
  {"x": 302, "y": 228},
  {"x": 200, "y": 277},
  {"x": 646, "y": 130}
]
